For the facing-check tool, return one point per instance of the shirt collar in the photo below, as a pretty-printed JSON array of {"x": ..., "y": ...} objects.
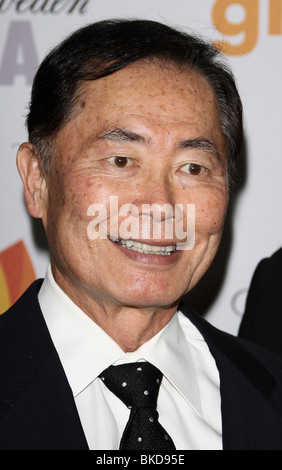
[
  {"x": 169, "y": 351},
  {"x": 79, "y": 340}
]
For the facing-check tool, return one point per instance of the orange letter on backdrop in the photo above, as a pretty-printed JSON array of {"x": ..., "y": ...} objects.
[
  {"x": 249, "y": 26},
  {"x": 275, "y": 16},
  {"x": 16, "y": 274}
]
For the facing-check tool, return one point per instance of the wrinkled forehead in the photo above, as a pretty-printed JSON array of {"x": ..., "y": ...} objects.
[{"x": 163, "y": 92}]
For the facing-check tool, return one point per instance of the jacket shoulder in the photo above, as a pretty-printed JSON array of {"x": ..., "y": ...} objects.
[
  {"x": 260, "y": 366},
  {"x": 24, "y": 343}
]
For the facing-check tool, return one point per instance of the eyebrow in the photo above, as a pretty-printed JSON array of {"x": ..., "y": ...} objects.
[
  {"x": 201, "y": 143},
  {"x": 123, "y": 135},
  {"x": 126, "y": 135}
]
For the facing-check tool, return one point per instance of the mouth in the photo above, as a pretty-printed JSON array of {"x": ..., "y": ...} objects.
[{"x": 144, "y": 248}]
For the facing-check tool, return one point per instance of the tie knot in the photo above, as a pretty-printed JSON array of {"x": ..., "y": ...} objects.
[{"x": 136, "y": 384}]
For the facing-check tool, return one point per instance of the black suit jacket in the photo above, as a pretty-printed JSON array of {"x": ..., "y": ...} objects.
[
  {"x": 37, "y": 409},
  {"x": 262, "y": 319}
]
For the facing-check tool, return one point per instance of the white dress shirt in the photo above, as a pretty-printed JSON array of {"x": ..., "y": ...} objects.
[{"x": 189, "y": 398}]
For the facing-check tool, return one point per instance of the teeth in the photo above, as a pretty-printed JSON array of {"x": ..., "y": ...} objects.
[{"x": 144, "y": 248}]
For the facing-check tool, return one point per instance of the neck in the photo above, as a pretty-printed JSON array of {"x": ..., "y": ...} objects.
[
  {"x": 128, "y": 326},
  {"x": 131, "y": 327}
]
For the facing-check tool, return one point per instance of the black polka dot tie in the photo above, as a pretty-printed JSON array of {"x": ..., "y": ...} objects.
[{"x": 137, "y": 385}]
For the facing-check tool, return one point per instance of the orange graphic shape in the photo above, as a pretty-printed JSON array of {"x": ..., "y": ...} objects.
[{"x": 16, "y": 274}]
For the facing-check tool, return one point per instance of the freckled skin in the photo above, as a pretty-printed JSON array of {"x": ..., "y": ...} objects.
[{"x": 129, "y": 297}]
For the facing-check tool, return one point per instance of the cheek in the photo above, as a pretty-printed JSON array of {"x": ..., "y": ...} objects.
[
  {"x": 210, "y": 210},
  {"x": 72, "y": 211},
  {"x": 76, "y": 194}
]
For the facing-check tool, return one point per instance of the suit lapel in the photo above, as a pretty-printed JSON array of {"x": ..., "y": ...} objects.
[
  {"x": 249, "y": 394},
  {"x": 43, "y": 414}
]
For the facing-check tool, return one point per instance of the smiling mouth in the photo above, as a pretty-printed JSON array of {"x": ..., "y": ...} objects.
[{"x": 144, "y": 248}]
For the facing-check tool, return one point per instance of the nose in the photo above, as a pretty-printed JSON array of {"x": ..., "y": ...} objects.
[
  {"x": 155, "y": 200},
  {"x": 155, "y": 190}
]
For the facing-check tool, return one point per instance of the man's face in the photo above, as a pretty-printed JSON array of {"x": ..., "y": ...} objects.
[{"x": 148, "y": 134}]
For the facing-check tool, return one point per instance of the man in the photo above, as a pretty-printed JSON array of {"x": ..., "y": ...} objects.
[{"x": 127, "y": 117}]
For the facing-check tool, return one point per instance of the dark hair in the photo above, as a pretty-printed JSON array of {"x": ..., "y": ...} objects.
[{"x": 102, "y": 48}]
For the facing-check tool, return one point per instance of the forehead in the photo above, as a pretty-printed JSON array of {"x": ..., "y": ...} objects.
[
  {"x": 157, "y": 91},
  {"x": 160, "y": 101}
]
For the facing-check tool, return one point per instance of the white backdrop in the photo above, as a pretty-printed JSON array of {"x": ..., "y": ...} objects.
[{"x": 252, "y": 33}]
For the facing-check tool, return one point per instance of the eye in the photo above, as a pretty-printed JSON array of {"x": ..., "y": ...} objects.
[
  {"x": 120, "y": 162},
  {"x": 193, "y": 169}
]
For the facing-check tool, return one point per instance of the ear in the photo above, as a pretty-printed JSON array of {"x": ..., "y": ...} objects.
[{"x": 35, "y": 187}]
